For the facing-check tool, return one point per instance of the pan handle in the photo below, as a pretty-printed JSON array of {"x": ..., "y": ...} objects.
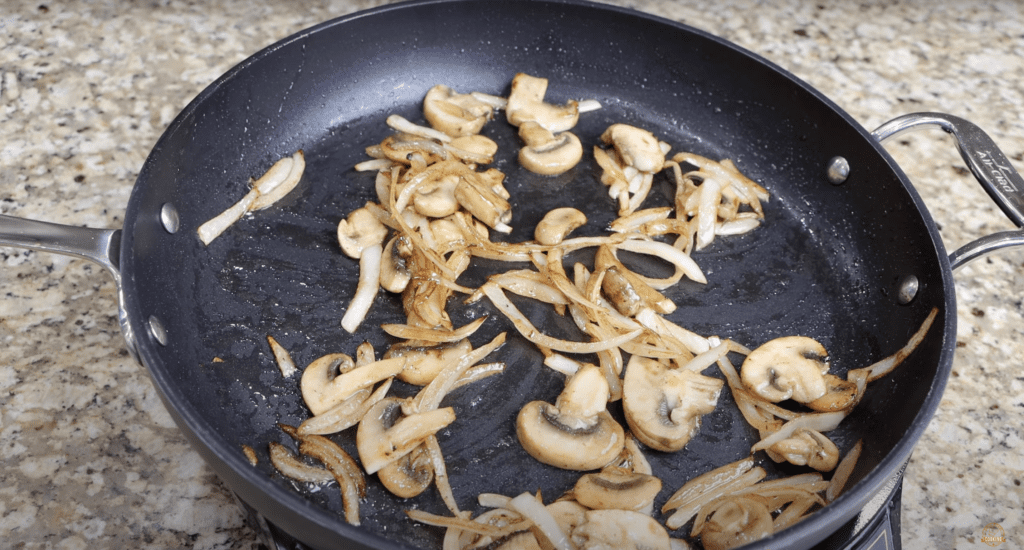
[
  {"x": 101, "y": 246},
  {"x": 988, "y": 164}
]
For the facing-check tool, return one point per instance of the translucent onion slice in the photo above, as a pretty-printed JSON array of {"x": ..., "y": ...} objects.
[
  {"x": 441, "y": 474},
  {"x": 684, "y": 264},
  {"x": 821, "y": 422},
  {"x": 344, "y": 415},
  {"x": 282, "y": 358},
  {"x": 219, "y": 223},
  {"x": 523, "y": 325},
  {"x": 531, "y": 508},
  {"x": 344, "y": 469},
  {"x": 429, "y": 398},
  {"x": 843, "y": 471},
  {"x": 290, "y": 465},
  {"x": 409, "y": 332},
  {"x": 366, "y": 288}
]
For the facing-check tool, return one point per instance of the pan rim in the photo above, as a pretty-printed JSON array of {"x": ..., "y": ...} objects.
[{"x": 225, "y": 459}]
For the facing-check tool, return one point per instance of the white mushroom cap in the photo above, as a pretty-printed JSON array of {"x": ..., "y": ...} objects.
[
  {"x": 526, "y": 104},
  {"x": 616, "y": 488},
  {"x": 736, "y": 522},
  {"x": 620, "y": 530},
  {"x": 637, "y": 147},
  {"x": 663, "y": 406},
  {"x": 546, "y": 153},
  {"x": 384, "y": 435},
  {"x": 578, "y": 433},
  {"x": 410, "y": 475},
  {"x": 453, "y": 113},
  {"x": 807, "y": 448},
  {"x": 791, "y": 367},
  {"x": 557, "y": 224}
]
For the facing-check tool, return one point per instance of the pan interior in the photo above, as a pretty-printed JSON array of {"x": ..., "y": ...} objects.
[{"x": 826, "y": 263}]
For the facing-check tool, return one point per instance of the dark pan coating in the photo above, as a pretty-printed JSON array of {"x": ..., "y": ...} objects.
[{"x": 827, "y": 262}]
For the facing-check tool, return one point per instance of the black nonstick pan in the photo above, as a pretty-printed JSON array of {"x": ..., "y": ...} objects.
[{"x": 835, "y": 259}]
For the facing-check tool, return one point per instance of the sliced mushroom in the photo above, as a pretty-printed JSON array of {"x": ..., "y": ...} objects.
[
  {"x": 737, "y": 521},
  {"x": 361, "y": 236},
  {"x": 426, "y": 359},
  {"x": 410, "y": 475},
  {"x": 546, "y": 153},
  {"x": 436, "y": 199},
  {"x": 663, "y": 406},
  {"x": 476, "y": 149},
  {"x": 484, "y": 204},
  {"x": 615, "y": 488},
  {"x": 568, "y": 514},
  {"x": 394, "y": 268},
  {"x": 791, "y": 367},
  {"x": 557, "y": 224},
  {"x": 385, "y": 435},
  {"x": 620, "y": 530},
  {"x": 455, "y": 114},
  {"x": 332, "y": 378},
  {"x": 839, "y": 395},
  {"x": 636, "y": 147},
  {"x": 577, "y": 433},
  {"x": 526, "y": 104},
  {"x": 628, "y": 287},
  {"x": 806, "y": 448}
]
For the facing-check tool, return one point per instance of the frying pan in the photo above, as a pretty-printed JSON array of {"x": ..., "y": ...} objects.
[{"x": 813, "y": 269}]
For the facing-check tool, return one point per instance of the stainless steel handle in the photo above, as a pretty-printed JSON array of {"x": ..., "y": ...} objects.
[
  {"x": 988, "y": 164},
  {"x": 101, "y": 246}
]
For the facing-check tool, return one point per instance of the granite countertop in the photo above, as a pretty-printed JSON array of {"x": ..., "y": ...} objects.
[{"x": 90, "y": 458}]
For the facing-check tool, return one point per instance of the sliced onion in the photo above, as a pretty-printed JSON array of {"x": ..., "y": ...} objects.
[
  {"x": 843, "y": 471},
  {"x": 289, "y": 465},
  {"x": 344, "y": 415},
  {"x": 532, "y": 509},
  {"x": 441, "y": 474},
  {"x": 409, "y": 332},
  {"x": 430, "y": 396},
  {"x": 821, "y": 422},
  {"x": 343, "y": 467},
  {"x": 523, "y": 325},
  {"x": 282, "y": 358},
  {"x": 213, "y": 228},
  {"x": 366, "y": 288}
]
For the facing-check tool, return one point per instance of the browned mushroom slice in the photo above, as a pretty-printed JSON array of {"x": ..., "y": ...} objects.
[
  {"x": 791, "y": 367},
  {"x": 806, "y": 448},
  {"x": 577, "y": 433},
  {"x": 663, "y": 406},
  {"x": 332, "y": 378},
  {"x": 410, "y": 475},
  {"x": 546, "y": 153},
  {"x": 737, "y": 521},
  {"x": 427, "y": 359},
  {"x": 615, "y": 488},
  {"x": 557, "y": 224},
  {"x": 453, "y": 113},
  {"x": 636, "y": 147},
  {"x": 386, "y": 435},
  {"x": 526, "y": 104},
  {"x": 620, "y": 529}
]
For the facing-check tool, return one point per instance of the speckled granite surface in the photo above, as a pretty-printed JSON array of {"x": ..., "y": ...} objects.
[{"x": 88, "y": 455}]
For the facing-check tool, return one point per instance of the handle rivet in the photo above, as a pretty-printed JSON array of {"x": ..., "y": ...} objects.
[
  {"x": 169, "y": 217},
  {"x": 838, "y": 170},
  {"x": 908, "y": 289},
  {"x": 157, "y": 331}
]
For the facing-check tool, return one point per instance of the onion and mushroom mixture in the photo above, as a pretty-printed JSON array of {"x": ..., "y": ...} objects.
[{"x": 437, "y": 206}]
